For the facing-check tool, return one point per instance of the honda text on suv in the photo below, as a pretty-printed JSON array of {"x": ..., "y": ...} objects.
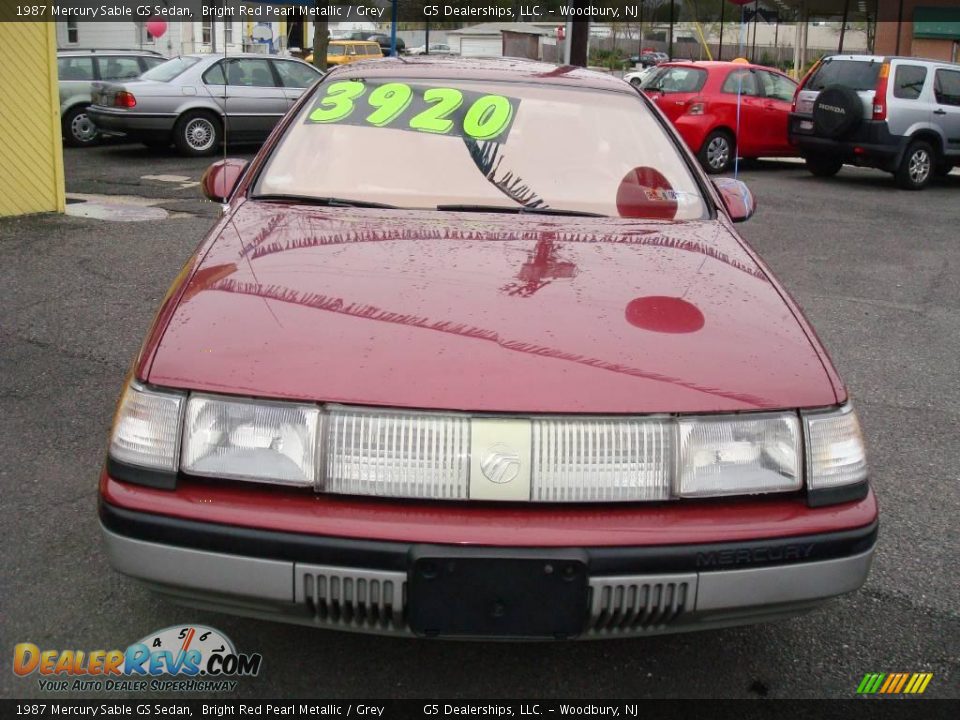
[{"x": 897, "y": 114}]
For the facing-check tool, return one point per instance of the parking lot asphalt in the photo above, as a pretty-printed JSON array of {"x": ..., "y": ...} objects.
[{"x": 875, "y": 268}]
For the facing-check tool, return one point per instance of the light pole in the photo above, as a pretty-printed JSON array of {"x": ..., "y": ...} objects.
[{"x": 393, "y": 31}]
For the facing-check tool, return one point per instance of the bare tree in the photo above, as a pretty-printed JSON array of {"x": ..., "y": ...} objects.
[{"x": 321, "y": 35}]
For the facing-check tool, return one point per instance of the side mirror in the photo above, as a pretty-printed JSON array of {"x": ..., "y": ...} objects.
[
  {"x": 220, "y": 179},
  {"x": 737, "y": 198}
]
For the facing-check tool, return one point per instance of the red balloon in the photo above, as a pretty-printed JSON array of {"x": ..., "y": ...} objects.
[{"x": 156, "y": 28}]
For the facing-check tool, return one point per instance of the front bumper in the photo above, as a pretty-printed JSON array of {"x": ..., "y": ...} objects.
[{"x": 364, "y": 585}]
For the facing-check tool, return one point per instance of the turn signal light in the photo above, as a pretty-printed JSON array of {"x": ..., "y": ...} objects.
[
  {"x": 124, "y": 99},
  {"x": 696, "y": 108},
  {"x": 880, "y": 93}
]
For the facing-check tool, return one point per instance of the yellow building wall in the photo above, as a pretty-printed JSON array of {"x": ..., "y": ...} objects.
[{"x": 31, "y": 178}]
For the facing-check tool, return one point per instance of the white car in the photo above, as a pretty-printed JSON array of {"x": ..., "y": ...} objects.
[
  {"x": 435, "y": 49},
  {"x": 637, "y": 77}
]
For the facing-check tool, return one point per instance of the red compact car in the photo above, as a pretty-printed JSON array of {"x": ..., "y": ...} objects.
[
  {"x": 726, "y": 107},
  {"x": 528, "y": 383}
]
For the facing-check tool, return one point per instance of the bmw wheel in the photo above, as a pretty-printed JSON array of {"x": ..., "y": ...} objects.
[
  {"x": 717, "y": 150},
  {"x": 78, "y": 128},
  {"x": 197, "y": 133}
]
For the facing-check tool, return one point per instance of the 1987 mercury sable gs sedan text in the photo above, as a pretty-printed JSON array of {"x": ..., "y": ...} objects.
[{"x": 529, "y": 383}]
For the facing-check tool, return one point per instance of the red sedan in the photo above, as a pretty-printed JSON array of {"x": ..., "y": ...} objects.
[
  {"x": 527, "y": 383},
  {"x": 701, "y": 99}
]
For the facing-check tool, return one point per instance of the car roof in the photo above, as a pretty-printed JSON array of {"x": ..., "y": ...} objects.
[
  {"x": 718, "y": 64},
  {"x": 76, "y": 52},
  {"x": 437, "y": 67},
  {"x": 233, "y": 56},
  {"x": 888, "y": 58}
]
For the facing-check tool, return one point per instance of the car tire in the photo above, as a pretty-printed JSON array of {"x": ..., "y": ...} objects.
[
  {"x": 836, "y": 111},
  {"x": 78, "y": 128},
  {"x": 197, "y": 133},
  {"x": 917, "y": 166},
  {"x": 717, "y": 152},
  {"x": 824, "y": 165}
]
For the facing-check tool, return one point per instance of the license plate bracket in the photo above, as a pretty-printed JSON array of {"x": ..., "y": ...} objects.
[{"x": 467, "y": 593}]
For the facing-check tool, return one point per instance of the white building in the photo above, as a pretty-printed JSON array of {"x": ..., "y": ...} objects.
[
  {"x": 486, "y": 39},
  {"x": 179, "y": 38},
  {"x": 199, "y": 36}
]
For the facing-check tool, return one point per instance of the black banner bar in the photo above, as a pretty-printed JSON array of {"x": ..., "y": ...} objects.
[
  {"x": 467, "y": 12},
  {"x": 528, "y": 709}
]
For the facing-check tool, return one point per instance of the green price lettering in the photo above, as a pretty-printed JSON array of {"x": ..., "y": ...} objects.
[
  {"x": 488, "y": 117},
  {"x": 439, "y": 110},
  {"x": 443, "y": 101},
  {"x": 338, "y": 102},
  {"x": 390, "y": 100}
]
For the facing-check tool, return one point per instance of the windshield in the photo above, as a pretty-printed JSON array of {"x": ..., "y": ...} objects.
[
  {"x": 430, "y": 144},
  {"x": 170, "y": 69},
  {"x": 854, "y": 74}
]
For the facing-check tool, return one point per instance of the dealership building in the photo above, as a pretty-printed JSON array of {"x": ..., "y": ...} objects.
[{"x": 922, "y": 28}]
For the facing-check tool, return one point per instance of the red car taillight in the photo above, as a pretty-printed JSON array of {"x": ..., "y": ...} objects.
[
  {"x": 880, "y": 93},
  {"x": 124, "y": 99}
]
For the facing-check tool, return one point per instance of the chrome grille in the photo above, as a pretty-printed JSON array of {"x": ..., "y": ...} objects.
[
  {"x": 348, "y": 598},
  {"x": 419, "y": 455},
  {"x": 601, "y": 460},
  {"x": 412, "y": 454},
  {"x": 624, "y": 605}
]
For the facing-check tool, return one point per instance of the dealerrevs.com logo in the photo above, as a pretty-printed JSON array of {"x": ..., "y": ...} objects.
[{"x": 178, "y": 658}]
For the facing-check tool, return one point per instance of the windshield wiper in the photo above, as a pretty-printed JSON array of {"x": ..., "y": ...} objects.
[
  {"x": 327, "y": 201},
  {"x": 517, "y": 210}
]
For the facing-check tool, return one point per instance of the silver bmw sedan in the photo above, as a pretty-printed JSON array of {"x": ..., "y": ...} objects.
[{"x": 196, "y": 102}]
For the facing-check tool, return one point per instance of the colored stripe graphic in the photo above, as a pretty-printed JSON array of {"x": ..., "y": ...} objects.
[
  {"x": 891, "y": 680},
  {"x": 873, "y": 681},
  {"x": 894, "y": 683}
]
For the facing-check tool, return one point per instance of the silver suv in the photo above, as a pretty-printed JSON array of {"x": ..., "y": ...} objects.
[
  {"x": 898, "y": 114},
  {"x": 77, "y": 70}
]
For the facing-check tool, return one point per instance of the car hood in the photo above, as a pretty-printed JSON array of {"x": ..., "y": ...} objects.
[{"x": 487, "y": 312}]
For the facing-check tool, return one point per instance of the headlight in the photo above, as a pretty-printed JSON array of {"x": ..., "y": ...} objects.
[
  {"x": 250, "y": 440},
  {"x": 146, "y": 428},
  {"x": 738, "y": 455},
  {"x": 835, "y": 450}
]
